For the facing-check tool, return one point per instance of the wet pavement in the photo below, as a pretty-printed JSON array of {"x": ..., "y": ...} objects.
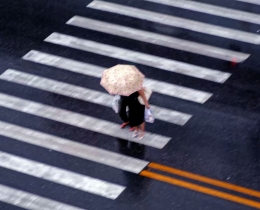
[{"x": 220, "y": 141}]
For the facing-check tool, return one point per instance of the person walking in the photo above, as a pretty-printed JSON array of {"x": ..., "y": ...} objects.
[
  {"x": 123, "y": 113},
  {"x": 136, "y": 112},
  {"x": 127, "y": 81}
]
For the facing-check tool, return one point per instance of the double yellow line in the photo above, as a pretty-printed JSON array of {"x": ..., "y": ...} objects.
[{"x": 201, "y": 189}]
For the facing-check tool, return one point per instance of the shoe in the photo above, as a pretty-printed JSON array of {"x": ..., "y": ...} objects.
[
  {"x": 124, "y": 125},
  {"x": 135, "y": 134},
  {"x": 141, "y": 136}
]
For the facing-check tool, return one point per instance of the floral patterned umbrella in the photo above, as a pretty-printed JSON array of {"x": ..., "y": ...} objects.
[{"x": 122, "y": 80}]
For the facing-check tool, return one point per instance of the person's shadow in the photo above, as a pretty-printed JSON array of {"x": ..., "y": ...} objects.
[
  {"x": 136, "y": 187},
  {"x": 131, "y": 149}
]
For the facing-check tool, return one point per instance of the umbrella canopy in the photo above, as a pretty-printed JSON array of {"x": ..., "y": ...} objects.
[{"x": 122, "y": 80}]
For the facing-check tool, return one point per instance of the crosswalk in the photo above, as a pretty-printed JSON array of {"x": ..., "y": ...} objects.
[
  {"x": 257, "y": 2},
  {"x": 157, "y": 39},
  {"x": 176, "y": 22},
  {"x": 30, "y": 201},
  {"x": 79, "y": 120},
  {"x": 212, "y": 10},
  {"x": 85, "y": 94},
  {"x": 72, "y": 148},
  {"x": 140, "y": 58},
  {"x": 60, "y": 176},
  {"x": 96, "y": 71},
  {"x": 164, "y": 115}
]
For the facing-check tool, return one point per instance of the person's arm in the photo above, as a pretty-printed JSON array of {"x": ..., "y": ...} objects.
[{"x": 141, "y": 93}]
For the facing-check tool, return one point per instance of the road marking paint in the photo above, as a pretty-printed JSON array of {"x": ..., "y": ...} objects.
[
  {"x": 96, "y": 71},
  {"x": 85, "y": 94},
  {"x": 257, "y": 2},
  {"x": 30, "y": 201},
  {"x": 79, "y": 120},
  {"x": 69, "y": 147},
  {"x": 60, "y": 176},
  {"x": 153, "y": 38},
  {"x": 204, "y": 179},
  {"x": 212, "y": 10},
  {"x": 137, "y": 57},
  {"x": 201, "y": 189},
  {"x": 176, "y": 22}
]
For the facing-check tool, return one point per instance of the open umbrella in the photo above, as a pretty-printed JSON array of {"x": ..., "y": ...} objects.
[{"x": 122, "y": 80}]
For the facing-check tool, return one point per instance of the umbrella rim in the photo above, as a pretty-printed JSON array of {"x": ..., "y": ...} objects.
[{"x": 113, "y": 93}]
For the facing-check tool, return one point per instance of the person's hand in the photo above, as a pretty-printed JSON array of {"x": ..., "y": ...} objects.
[{"x": 147, "y": 106}]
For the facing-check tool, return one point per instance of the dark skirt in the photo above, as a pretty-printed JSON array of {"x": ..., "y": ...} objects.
[{"x": 136, "y": 110}]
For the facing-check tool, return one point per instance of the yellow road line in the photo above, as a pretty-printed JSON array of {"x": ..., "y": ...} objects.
[
  {"x": 204, "y": 179},
  {"x": 200, "y": 189}
]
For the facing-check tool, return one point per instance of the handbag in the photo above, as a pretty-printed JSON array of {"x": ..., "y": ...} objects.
[
  {"x": 147, "y": 92},
  {"x": 148, "y": 116},
  {"x": 115, "y": 103}
]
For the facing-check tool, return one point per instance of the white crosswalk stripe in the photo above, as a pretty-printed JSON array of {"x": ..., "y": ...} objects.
[
  {"x": 137, "y": 57},
  {"x": 212, "y": 10},
  {"x": 66, "y": 146},
  {"x": 176, "y": 22},
  {"x": 157, "y": 39},
  {"x": 85, "y": 94},
  {"x": 31, "y": 201},
  {"x": 96, "y": 71},
  {"x": 60, "y": 176},
  {"x": 257, "y": 2},
  {"x": 79, "y": 120}
]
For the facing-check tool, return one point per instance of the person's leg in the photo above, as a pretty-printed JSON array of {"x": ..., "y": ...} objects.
[
  {"x": 142, "y": 127},
  {"x": 127, "y": 113},
  {"x": 122, "y": 112},
  {"x": 136, "y": 131}
]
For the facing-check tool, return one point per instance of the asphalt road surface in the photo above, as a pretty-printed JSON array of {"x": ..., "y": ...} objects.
[{"x": 61, "y": 146}]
